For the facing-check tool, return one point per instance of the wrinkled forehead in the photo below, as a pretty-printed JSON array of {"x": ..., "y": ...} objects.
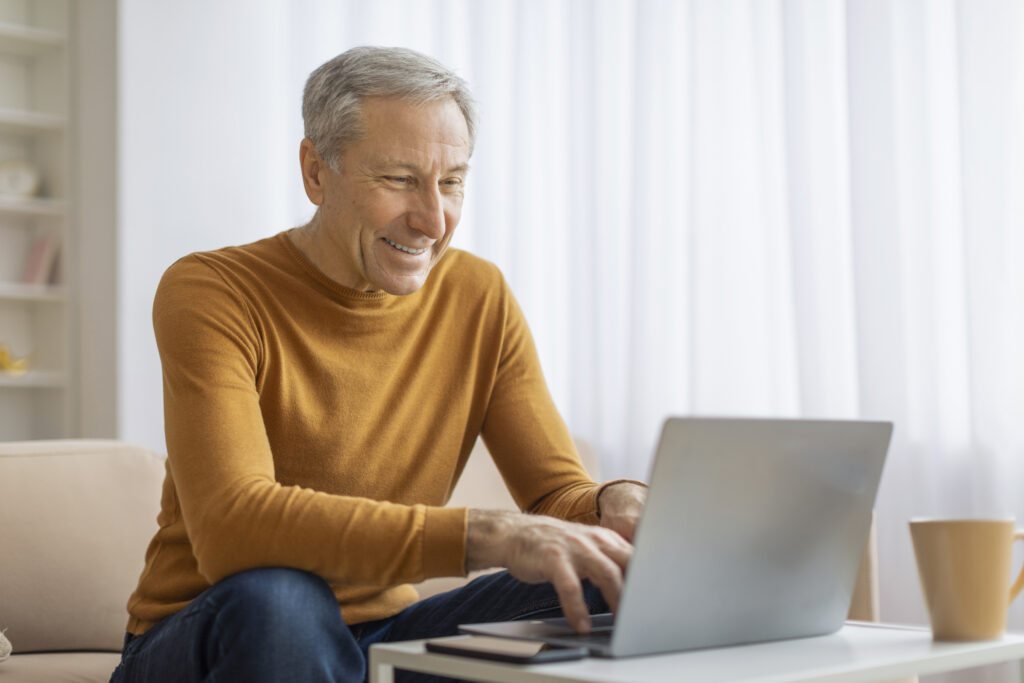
[
  {"x": 405, "y": 132},
  {"x": 390, "y": 115}
]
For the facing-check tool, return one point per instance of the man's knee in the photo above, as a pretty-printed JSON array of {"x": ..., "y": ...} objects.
[
  {"x": 278, "y": 600},
  {"x": 277, "y": 584},
  {"x": 281, "y": 614}
]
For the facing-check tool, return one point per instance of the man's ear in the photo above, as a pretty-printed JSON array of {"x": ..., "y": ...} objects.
[{"x": 313, "y": 169}]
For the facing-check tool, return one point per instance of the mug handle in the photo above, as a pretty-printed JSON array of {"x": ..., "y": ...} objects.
[{"x": 1018, "y": 535}]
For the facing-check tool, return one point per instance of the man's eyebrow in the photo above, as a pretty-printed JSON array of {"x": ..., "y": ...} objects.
[{"x": 405, "y": 165}]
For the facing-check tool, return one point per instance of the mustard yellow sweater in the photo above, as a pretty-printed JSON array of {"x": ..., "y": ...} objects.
[{"x": 318, "y": 427}]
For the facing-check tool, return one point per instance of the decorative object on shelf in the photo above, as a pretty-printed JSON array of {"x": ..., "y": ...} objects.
[
  {"x": 5, "y": 647},
  {"x": 11, "y": 364},
  {"x": 18, "y": 178},
  {"x": 40, "y": 267}
]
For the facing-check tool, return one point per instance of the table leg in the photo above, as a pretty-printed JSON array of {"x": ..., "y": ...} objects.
[{"x": 381, "y": 673}]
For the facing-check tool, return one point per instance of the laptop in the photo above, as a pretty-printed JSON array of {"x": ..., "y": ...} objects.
[{"x": 753, "y": 531}]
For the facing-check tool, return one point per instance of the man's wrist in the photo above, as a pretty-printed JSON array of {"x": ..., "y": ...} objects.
[
  {"x": 486, "y": 533},
  {"x": 629, "y": 488}
]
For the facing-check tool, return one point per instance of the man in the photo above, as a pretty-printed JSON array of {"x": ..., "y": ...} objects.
[{"x": 322, "y": 391}]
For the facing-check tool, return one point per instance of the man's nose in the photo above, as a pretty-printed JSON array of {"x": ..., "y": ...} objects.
[{"x": 428, "y": 216}]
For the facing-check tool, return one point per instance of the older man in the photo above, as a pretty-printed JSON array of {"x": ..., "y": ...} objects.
[{"x": 323, "y": 389}]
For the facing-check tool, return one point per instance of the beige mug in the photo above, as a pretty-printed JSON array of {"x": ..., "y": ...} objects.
[{"x": 964, "y": 565}]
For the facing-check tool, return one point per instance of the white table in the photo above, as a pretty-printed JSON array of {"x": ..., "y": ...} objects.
[{"x": 858, "y": 652}]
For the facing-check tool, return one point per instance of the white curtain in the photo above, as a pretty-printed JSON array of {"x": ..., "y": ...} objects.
[{"x": 741, "y": 207}]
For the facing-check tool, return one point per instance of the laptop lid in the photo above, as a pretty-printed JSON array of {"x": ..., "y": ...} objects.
[{"x": 753, "y": 531}]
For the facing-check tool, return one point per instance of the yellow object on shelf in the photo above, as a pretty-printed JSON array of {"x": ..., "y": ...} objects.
[{"x": 11, "y": 364}]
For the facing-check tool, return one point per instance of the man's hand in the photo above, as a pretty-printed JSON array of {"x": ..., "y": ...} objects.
[
  {"x": 537, "y": 549},
  {"x": 620, "y": 506}
]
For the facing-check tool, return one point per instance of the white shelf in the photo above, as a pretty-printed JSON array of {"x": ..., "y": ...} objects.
[
  {"x": 21, "y": 121},
  {"x": 28, "y": 41},
  {"x": 33, "y": 379},
  {"x": 33, "y": 206},
  {"x": 16, "y": 291},
  {"x": 39, "y": 123}
]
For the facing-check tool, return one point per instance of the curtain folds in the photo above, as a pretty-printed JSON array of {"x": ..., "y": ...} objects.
[{"x": 800, "y": 207}]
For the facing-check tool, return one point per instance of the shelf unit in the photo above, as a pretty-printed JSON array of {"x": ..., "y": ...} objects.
[
  {"x": 26, "y": 40},
  {"x": 37, "y": 320},
  {"x": 12, "y": 206},
  {"x": 33, "y": 379},
  {"x": 13, "y": 291}
]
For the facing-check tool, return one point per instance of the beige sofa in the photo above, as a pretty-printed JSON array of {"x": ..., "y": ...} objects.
[{"x": 76, "y": 517}]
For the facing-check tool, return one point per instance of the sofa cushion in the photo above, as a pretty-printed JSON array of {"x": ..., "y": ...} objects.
[
  {"x": 60, "y": 667},
  {"x": 77, "y": 516}
]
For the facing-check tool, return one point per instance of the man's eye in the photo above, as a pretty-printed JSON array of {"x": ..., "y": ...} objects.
[{"x": 401, "y": 180}]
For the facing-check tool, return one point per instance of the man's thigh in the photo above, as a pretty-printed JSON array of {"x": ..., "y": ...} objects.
[
  {"x": 268, "y": 624},
  {"x": 493, "y": 597},
  {"x": 169, "y": 651}
]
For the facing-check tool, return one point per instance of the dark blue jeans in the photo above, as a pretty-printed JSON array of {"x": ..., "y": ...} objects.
[{"x": 281, "y": 625}]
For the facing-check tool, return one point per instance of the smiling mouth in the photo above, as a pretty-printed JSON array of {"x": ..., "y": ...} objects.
[{"x": 405, "y": 249}]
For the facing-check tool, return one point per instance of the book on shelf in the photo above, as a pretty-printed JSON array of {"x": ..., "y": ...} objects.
[{"x": 41, "y": 265}]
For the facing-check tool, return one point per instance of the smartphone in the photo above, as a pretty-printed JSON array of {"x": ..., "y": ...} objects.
[{"x": 505, "y": 649}]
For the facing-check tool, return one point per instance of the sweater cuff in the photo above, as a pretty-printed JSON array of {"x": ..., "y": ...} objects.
[
  {"x": 597, "y": 497},
  {"x": 444, "y": 542}
]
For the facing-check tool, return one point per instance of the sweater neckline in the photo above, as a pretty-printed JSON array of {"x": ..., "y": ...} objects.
[{"x": 378, "y": 297}]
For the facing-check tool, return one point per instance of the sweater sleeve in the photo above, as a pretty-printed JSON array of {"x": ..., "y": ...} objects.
[
  {"x": 236, "y": 514},
  {"x": 526, "y": 436}
]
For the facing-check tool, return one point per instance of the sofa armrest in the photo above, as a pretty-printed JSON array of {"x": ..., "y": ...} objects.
[{"x": 77, "y": 517}]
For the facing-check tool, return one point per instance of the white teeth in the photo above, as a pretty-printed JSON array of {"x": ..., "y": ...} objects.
[{"x": 402, "y": 247}]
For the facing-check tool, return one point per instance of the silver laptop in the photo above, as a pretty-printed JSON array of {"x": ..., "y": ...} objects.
[{"x": 753, "y": 531}]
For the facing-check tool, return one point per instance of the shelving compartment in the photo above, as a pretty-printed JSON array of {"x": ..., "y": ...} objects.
[
  {"x": 30, "y": 246},
  {"x": 33, "y": 404}
]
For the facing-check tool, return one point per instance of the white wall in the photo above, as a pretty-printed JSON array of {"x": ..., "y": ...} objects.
[{"x": 200, "y": 164}]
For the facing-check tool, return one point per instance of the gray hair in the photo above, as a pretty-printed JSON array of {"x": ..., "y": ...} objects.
[{"x": 332, "y": 99}]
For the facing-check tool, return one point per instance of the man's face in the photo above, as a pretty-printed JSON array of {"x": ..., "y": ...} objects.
[{"x": 390, "y": 211}]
